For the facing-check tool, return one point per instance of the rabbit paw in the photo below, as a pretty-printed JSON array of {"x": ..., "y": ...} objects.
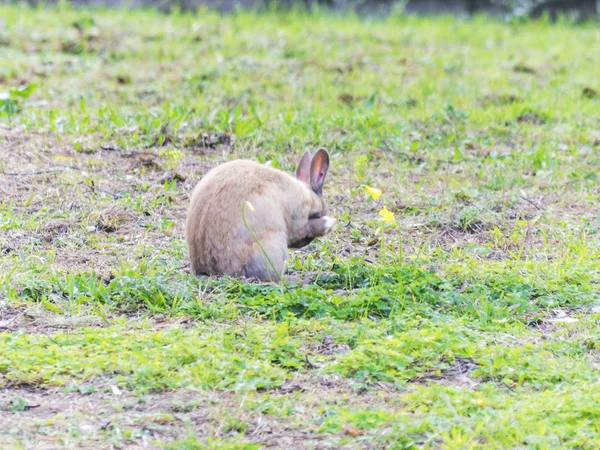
[{"x": 329, "y": 223}]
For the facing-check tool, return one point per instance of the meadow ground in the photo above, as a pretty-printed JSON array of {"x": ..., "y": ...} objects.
[{"x": 469, "y": 322}]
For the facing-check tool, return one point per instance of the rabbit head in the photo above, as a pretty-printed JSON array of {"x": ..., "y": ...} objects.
[{"x": 309, "y": 219}]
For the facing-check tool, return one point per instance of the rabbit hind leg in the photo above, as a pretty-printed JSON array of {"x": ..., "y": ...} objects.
[{"x": 267, "y": 269}]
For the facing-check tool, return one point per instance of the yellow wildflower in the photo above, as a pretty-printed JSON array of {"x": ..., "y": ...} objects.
[
  {"x": 374, "y": 193},
  {"x": 249, "y": 206},
  {"x": 387, "y": 216}
]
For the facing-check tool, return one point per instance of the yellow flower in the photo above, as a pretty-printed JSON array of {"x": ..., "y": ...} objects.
[
  {"x": 388, "y": 216},
  {"x": 249, "y": 206},
  {"x": 372, "y": 192}
]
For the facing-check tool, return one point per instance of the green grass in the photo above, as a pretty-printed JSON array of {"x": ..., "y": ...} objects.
[{"x": 470, "y": 322}]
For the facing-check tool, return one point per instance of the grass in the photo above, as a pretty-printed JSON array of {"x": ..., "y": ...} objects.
[{"x": 469, "y": 322}]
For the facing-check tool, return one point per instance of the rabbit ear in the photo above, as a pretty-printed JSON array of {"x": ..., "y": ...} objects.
[
  {"x": 303, "y": 169},
  {"x": 318, "y": 170}
]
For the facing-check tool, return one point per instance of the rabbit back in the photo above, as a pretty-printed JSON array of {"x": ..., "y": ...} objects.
[{"x": 219, "y": 242}]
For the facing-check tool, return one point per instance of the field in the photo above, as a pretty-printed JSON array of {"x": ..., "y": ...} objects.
[{"x": 469, "y": 320}]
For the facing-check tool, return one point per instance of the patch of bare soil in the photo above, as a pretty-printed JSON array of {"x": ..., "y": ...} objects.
[
  {"x": 97, "y": 209},
  {"x": 94, "y": 209},
  {"x": 328, "y": 346},
  {"x": 35, "y": 319},
  {"x": 99, "y": 416},
  {"x": 38, "y": 320},
  {"x": 563, "y": 319},
  {"x": 458, "y": 374}
]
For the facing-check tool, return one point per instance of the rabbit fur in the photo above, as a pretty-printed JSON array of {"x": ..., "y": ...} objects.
[{"x": 288, "y": 212}]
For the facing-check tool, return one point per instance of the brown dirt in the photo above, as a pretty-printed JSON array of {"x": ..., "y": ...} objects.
[
  {"x": 101, "y": 416},
  {"x": 38, "y": 320},
  {"x": 66, "y": 199}
]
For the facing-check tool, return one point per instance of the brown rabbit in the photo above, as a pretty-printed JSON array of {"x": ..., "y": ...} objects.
[{"x": 288, "y": 213}]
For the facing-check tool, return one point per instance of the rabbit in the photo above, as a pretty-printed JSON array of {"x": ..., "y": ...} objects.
[{"x": 283, "y": 212}]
